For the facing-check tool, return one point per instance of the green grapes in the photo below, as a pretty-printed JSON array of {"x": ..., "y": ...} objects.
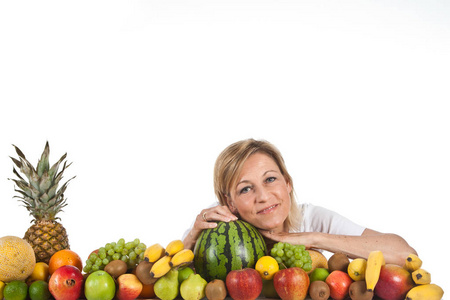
[
  {"x": 288, "y": 256},
  {"x": 130, "y": 252}
]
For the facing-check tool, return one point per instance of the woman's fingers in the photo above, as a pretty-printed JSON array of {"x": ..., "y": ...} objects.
[{"x": 216, "y": 214}]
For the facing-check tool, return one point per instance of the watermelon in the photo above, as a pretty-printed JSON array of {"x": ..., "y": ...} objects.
[{"x": 229, "y": 246}]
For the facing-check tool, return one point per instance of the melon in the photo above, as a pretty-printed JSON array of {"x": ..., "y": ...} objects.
[
  {"x": 229, "y": 246},
  {"x": 17, "y": 259}
]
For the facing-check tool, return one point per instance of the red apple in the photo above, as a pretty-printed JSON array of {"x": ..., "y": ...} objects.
[
  {"x": 339, "y": 283},
  {"x": 394, "y": 283},
  {"x": 245, "y": 284},
  {"x": 66, "y": 283},
  {"x": 291, "y": 283},
  {"x": 129, "y": 287}
]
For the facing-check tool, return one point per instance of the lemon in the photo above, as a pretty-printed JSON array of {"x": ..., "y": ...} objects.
[
  {"x": 40, "y": 272},
  {"x": 267, "y": 266},
  {"x": 39, "y": 290},
  {"x": 2, "y": 287},
  {"x": 357, "y": 269},
  {"x": 15, "y": 290}
]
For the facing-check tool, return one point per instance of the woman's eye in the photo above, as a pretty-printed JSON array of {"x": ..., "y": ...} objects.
[
  {"x": 270, "y": 179},
  {"x": 245, "y": 190}
]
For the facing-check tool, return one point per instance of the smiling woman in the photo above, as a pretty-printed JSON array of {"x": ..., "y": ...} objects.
[{"x": 252, "y": 183}]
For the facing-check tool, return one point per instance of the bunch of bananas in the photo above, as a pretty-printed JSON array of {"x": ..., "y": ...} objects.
[
  {"x": 369, "y": 270},
  {"x": 424, "y": 289},
  {"x": 164, "y": 259}
]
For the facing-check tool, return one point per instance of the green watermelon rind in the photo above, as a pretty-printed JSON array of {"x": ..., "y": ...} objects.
[{"x": 217, "y": 253}]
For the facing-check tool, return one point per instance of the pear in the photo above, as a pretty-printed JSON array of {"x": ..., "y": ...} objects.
[
  {"x": 193, "y": 288},
  {"x": 166, "y": 288}
]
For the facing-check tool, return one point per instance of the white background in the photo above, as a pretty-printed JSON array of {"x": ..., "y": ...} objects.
[{"x": 143, "y": 96}]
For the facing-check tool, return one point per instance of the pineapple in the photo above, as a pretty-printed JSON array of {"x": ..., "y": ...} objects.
[{"x": 42, "y": 198}]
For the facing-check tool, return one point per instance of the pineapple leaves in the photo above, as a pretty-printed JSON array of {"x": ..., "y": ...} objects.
[
  {"x": 19, "y": 152},
  {"x": 55, "y": 167},
  {"x": 17, "y": 174},
  {"x": 43, "y": 164},
  {"x": 40, "y": 194},
  {"x": 45, "y": 182}
]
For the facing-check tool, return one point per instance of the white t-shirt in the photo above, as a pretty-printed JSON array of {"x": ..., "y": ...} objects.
[{"x": 319, "y": 219}]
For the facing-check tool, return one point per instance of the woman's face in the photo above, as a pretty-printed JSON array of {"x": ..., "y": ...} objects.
[{"x": 261, "y": 196}]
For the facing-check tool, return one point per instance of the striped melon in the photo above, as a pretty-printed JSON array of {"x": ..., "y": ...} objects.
[{"x": 230, "y": 246}]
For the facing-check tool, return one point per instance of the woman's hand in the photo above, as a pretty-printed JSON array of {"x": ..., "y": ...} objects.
[
  {"x": 206, "y": 219},
  {"x": 209, "y": 217},
  {"x": 286, "y": 237},
  {"x": 395, "y": 249}
]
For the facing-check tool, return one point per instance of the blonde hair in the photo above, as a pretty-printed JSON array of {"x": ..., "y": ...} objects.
[{"x": 229, "y": 164}]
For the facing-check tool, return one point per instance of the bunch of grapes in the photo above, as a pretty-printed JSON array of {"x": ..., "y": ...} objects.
[
  {"x": 130, "y": 252},
  {"x": 288, "y": 256}
]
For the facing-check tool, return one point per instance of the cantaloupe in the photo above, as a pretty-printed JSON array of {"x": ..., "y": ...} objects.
[
  {"x": 318, "y": 260},
  {"x": 17, "y": 259}
]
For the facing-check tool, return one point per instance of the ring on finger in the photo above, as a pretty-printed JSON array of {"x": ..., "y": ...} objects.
[{"x": 204, "y": 216}]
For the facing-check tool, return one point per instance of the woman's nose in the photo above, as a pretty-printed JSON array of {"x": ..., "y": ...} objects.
[{"x": 263, "y": 194}]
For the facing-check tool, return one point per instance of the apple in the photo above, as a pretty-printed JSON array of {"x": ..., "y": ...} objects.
[
  {"x": 244, "y": 284},
  {"x": 129, "y": 287},
  {"x": 291, "y": 283},
  {"x": 65, "y": 283},
  {"x": 339, "y": 283},
  {"x": 99, "y": 286},
  {"x": 394, "y": 282}
]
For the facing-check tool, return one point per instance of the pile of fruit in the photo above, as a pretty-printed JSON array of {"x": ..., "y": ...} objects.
[
  {"x": 168, "y": 273},
  {"x": 364, "y": 279},
  {"x": 231, "y": 259}
]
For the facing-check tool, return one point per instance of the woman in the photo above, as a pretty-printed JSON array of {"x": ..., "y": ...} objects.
[{"x": 252, "y": 184}]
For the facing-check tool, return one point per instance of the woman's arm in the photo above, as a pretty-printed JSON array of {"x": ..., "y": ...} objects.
[
  {"x": 395, "y": 249},
  {"x": 205, "y": 220}
]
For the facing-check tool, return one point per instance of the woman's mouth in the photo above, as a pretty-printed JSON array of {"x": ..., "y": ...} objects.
[{"x": 268, "y": 209}]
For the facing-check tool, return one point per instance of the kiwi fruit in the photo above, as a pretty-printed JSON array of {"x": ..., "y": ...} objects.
[
  {"x": 216, "y": 290},
  {"x": 116, "y": 268},
  {"x": 338, "y": 261},
  {"x": 319, "y": 290},
  {"x": 358, "y": 291},
  {"x": 143, "y": 272}
]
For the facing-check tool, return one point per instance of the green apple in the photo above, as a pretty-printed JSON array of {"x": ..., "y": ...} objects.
[{"x": 99, "y": 286}]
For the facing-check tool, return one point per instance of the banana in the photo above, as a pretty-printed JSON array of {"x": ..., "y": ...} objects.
[
  {"x": 153, "y": 253},
  {"x": 174, "y": 247},
  {"x": 412, "y": 263},
  {"x": 161, "y": 267},
  {"x": 425, "y": 291},
  {"x": 183, "y": 257},
  {"x": 420, "y": 276},
  {"x": 357, "y": 269},
  {"x": 374, "y": 263}
]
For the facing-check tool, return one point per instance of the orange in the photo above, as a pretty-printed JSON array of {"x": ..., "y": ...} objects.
[{"x": 63, "y": 258}]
